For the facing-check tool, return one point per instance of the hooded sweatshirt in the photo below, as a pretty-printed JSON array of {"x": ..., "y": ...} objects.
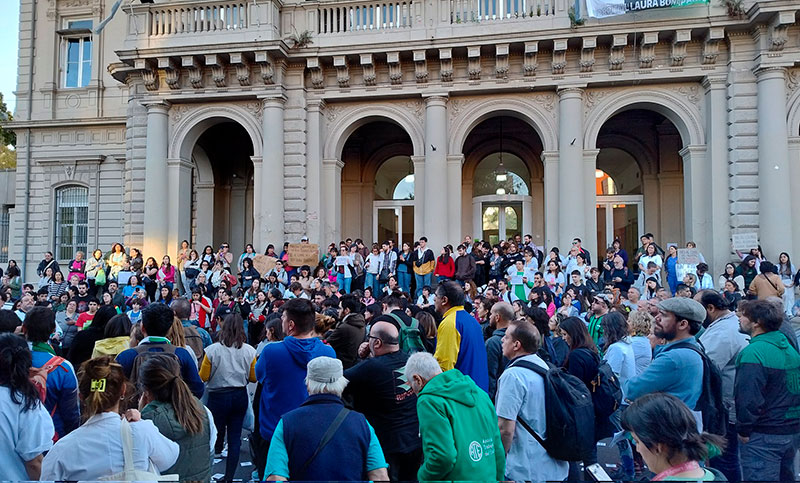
[
  {"x": 458, "y": 426},
  {"x": 281, "y": 370}
]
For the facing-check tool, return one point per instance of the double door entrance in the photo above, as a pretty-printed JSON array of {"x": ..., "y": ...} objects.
[
  {"x": 619, "y": 217},
  {"x": 393, "y": 220}
]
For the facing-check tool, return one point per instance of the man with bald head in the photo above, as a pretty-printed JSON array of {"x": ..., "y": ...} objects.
[
  {"x": 380, "y": 391},
  {"x": 500, "y": 315}
]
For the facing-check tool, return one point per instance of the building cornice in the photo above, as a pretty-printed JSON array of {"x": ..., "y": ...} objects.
[{"x": 56, "y": 123}]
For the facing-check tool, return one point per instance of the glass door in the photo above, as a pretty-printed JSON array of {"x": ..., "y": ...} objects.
[
  {"x": 393, "y": 220},
  {"x": 388, "y": 222},
  {"x": 619, "y": 217},
  {"x": 501, "y": 221}
]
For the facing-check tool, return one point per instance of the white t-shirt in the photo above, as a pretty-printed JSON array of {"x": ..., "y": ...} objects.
[
  {"x": 644, "y": 260},
  {"x": 520, "y": 392},
  {"x": 94, "y": 450},
  {"x": 24, "y": 435},
  {"x": 621, "y": 358}
]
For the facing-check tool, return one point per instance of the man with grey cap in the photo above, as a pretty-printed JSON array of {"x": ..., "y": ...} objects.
[
  {"x": 323, "y": 440},
  {"x": 677, "y": 369}
]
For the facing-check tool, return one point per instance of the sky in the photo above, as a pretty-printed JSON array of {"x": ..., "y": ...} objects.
[{"x": 9, "y": 40}]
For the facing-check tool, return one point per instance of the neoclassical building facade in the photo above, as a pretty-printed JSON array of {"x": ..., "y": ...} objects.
[{"x": 262, "y": 121}]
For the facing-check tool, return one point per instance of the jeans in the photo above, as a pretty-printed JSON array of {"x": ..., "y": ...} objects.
[
  {"x": 344, "y": 282},
  {"x": 404, "y": 279},
  {"x": 624, "y": 447},
  {"x": 228, "y": 406},
  {"x": 575, "y": 472},
  {"x": 728, "y": 461},
  {"x": 186, "y": 289},
  {"x": 768, "y": 457},
  {"x": 404, "y": 466},
  {"x": 422, "y": 281},
  {"x": 371, "y": 281}
]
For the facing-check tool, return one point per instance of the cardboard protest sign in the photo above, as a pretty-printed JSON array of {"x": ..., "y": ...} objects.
[
  {"x": 303, "y": 254},
  {"x": 264, "y": 264}
]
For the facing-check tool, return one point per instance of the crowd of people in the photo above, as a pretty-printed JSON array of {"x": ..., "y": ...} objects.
[{"x": 391, "y": 363}]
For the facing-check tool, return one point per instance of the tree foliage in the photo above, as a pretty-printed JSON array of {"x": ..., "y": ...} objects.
[{"x": 7, "y": 136}]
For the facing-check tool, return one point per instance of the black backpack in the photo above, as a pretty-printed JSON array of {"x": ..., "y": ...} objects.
[
  {"x": 710, "y": 403},
  {"x": 606, "y": 391},
  {"x": 570, "y": 414},
  {"x": 143, "y": 353}
]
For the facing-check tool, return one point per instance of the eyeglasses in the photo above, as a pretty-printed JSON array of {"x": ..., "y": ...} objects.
[{"x": 374, "y": 337}]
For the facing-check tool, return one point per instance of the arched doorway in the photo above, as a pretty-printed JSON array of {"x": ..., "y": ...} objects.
[
  {"x": 223, "y": 187},
  {"x": 503, "y": 181},
  {"x": 378, "y": 184},
  {"x": 639, "y": 180}
]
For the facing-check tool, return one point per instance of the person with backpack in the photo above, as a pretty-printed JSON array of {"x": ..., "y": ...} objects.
[
  {"x": 500, "y": 315},
  {"x": 323, "y": 440},
  {"x": 410, "y": 328},
  {"x": 460, "y": 343},
  {"x": 156, "y": 322},
  {"x": 83, "y": 344},
  {"x": 350, "y": 332},
  {"x": 457, "y": 424},
  {"x": 26, "y": 426},
  {"x": 387, "y": 401},
  {"x": 521, "y": 408},
  {"x": 53, "y": 373},
  {"x": 677, "y": 368},
  {"x": 227, "y": 367},
  {"x": 196, "y": 337},
  {"x": 97, "y": 449},
  {"x": 767, "y": 395}
]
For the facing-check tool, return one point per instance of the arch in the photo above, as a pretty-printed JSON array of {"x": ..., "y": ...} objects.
[
  {"x": 644, "y": 157},
  {"x": 532, "y": 161},
  {"x": 205, "y": 172},
  {"x": 343, "y": 127},
  {"x": 517, "y": 108},
  {"x": 371, "y": 165},
  {"x": 188, "y": 129},
  {"x": 685, "y": 116},
  {"x": 793, "y": 114}
]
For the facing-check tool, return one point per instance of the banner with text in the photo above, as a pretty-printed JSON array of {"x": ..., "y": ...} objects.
[{"x": 610, "y": 8}]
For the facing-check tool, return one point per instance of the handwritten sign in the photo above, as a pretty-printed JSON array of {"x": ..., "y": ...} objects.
[
  {"x": 744, "y": 241},
  {"x": 264, "y": 264},
  {"x": 689, "y": 256},
  {"x": 303, "y": 254}
]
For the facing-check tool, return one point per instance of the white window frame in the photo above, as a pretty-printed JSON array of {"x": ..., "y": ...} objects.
[
  {"x": 82, "y": 35},
  {"x": 80, "y": 231}
]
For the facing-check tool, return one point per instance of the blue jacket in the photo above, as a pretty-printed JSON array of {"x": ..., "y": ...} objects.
[
  {"x": 678, "y": 372},
  {"x": 281, "y": 370},
  {"x": 189, "y": 369},
  {"x": 460, "y": 346},
  {"x": 62, "y": 394}
]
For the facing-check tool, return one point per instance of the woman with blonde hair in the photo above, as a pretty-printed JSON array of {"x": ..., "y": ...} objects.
[
  {"x": 640, "y": 325},
  {"x": 95, "y": 450}
]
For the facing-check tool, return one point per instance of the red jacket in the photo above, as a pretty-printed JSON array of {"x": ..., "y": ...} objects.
[{"x": 445, "y": 269}]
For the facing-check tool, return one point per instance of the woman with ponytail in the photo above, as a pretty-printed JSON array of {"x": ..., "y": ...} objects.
[
  {"x": 95, "y": 449},
  {"x": 26, "y": 429},
  {"x": 167, "y": 402},
  {"x": 665, "y": 433}
]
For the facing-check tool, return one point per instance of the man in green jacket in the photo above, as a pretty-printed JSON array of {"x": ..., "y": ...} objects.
[{"x": 457, "y": 423}]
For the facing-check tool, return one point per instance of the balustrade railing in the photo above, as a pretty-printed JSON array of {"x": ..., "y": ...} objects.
[
  {"x": 191, "y": 18},
  {"x": 353, "y": 17},
  {"x": 465, "y": 11}
]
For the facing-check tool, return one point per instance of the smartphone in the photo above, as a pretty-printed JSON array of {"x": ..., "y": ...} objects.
[{"x": 597, "y": 473}]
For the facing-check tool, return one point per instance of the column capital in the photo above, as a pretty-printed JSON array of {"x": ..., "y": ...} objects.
[
  {"x": 549, "y": 157},
  {"x": 570, "y": 92},
  {"x": 179, "y": 163},
  {"x": 257, "y": 160},
  {"x": 438, "y": 99},
  {"x": 764, "y": 72},
  {"x": 713, "y": 82},
  {"x": 692, "y": 150},
  {"x": 417, "y": 159},
  {"x": 275, "y": 100},
  {"x": 315, "y": 105},
  {"x": 455, "y": 158},
  {"x": 590, "y": 155},
  {"x": 332, "y": 163},
  {"x": 160, "y": 106}
]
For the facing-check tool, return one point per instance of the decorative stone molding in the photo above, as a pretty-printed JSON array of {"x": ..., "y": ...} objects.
[
  {"x": 315, "y": 68},
  {"x": 395, "y": 68},
  {"x": 792, "y": 81},
  {"x": 343, "y": 119},
  {"x": 415, "y": 106},
  {"x": 185, "y": 119},
  {"x": 267, "y": 72},
  {"x": 474, "y": 62},
  {"x": 711, "y": 45},
  {"x": 616, "y": 58},
  {"x": 217, "y": 64},
  {"x": 647, "y": 54},
  {"x": 420, "y": 67},
  {"x": 446, "y": 65},
  {"x": 559, "y": 56},
  {"x": 591, "y": 97},
  {"x": 239, "y": 60},
  {"x": 587, "y": 54},
  {"x": 342, "y": 70},
  {"x": 456, "y": 105},
  {"x": 255, "y": 108},
  {"x": 148, "y": 73},
  {"x": 779, "y": 30},
  {"x": 190, "y": 63},
  {"x": 501, "y": 61},
  {"x": 690, "y": 93},
  {"x": 368, "y": 69},
  {"x": 171, "y": 72},
  {"x": 530, "y": 61},
  {"x": 679, "y": 43},
  {"x": 546, "y": 100}
]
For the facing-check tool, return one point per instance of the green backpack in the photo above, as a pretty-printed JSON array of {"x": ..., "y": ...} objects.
[{"x": 410, "y": 335}]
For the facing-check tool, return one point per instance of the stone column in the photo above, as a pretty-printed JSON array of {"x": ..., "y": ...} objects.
[
  {"x": 272, "y": 173},
  {"x": 436, "y": 191},
  {"x": 774, "y": 185},
  {"x": 314, "y": 171},
  {"x": 204, "y": 234},
  {"x": 180, "y": 204},
  {"x": 419, "y": 195},
  {"x": 156, "y": 189},
  {"x": 794, "y": 158},
  {"x": 571, "y": 205},
  {"x": 455, "y": 163},
  {"x": 258, "y": 179},
  {"x": 590, "y": 192},
  {"x": 696, "y": 195},
  {"x": 551, "y": 221},
  {"x": 719, "y": 249},
  {"x": 332, "y": 201}
]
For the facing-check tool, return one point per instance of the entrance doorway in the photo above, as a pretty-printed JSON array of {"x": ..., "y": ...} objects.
[
  {"x": 501, "y": 217},
  {"x": 393, "y": 220},
  {"x": 619, "y": 217}
]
